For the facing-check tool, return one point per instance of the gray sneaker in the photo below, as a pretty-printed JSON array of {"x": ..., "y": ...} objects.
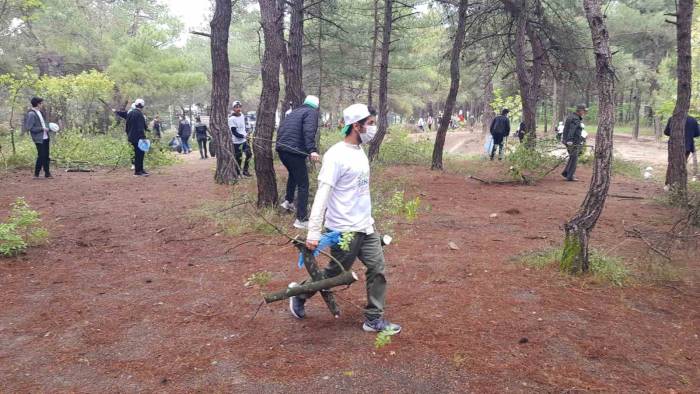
[
  {"x": 296, "y": 304},
  {"x": 301, "y": 225},
  {"x": 289, "y": 206},
  {"x": 380, "y": 324}
]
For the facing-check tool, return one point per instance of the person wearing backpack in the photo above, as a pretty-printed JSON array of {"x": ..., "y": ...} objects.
[
  {"x": 200, "y": 131},
  {"x": 39, "y": 130}
]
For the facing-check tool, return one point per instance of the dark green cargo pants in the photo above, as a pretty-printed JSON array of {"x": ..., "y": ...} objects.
[{"x": 367, "y": 248}]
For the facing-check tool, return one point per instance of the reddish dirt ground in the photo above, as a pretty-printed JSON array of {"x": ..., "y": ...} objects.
[{"x": 113, "y": 304}]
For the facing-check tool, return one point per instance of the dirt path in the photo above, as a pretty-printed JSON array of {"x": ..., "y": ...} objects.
[
  {"x": 644, "y": 151},
  {"x": 130, "y": 296}
]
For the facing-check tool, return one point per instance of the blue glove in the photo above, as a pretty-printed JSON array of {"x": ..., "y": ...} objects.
[{"x": 328, "y": 239}]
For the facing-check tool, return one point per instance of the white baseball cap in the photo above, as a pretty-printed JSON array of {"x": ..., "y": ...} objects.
[
  {"x": 54, "y": 127},
  {"x": 311, "y": 101},
  {"x": 139, "y": 103},
  {"x": 352, "y": 114}
]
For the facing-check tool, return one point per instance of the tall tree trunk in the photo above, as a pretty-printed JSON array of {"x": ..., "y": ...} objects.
[
  {"x": 293, "y": 88},
  {"x": 373, "y": 57},
  {"x": 555, "y": 106},
  {"x": 319, "y": 44},
  {"x": 382, "y": 123},
  {"x": 271, "y": 17},
  {"x": 225, "y": 162},
  {"x": 488, "y": 113},
  {"x": 454, "y": 85},
  {"x": 529, "y": 78},
  {"x": 575, "y": 256},
  {"x": 677, "y": 174},
  {"x": 637, "y": 110}
]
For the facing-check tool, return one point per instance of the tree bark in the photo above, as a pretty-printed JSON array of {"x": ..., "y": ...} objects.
[
  {"x": 529, "y": 78},
  {"x": 293, "y": 73},
  {"x": 575, "y": 257},
  {"x": 677, "y": 174},
  {"x": 373, "y": 57},
  {"x": 555, "y": 106},
  {"x": 454, "y": 85},
  {"x": 382, "y": 123},
  {"x": 345, "y": 279},
  {"x": 225, "y": 162},
  {"x": 271, "y": 17},
  {"x": 637, "y": 109},
  {"x": 488, "y": 113}
]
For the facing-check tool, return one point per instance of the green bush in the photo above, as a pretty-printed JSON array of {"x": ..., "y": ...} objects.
[
  {"x": 399, "y": 148},
  {"x": 21, "y": 230},
  {"x": 534, "y": 162},
  {"x": 70, "y": 148}
]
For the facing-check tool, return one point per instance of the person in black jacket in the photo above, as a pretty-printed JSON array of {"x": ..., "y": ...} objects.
[
  {"x": 200, "y": 130},
  {"x": 571, "y": 137},
  {"x": 296, "y": 139},
  {"x": 39, "y": 130},
  {"x": 500, "y": 129},
  {"x": 692, "y": 131},
  {"x": 136, "y": 130},
  {"x": 184, "y": 130}
]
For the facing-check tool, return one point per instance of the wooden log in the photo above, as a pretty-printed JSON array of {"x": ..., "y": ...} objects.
[
  {"x": 346, "y": 278},
  {"x": 317, "y": 275}
]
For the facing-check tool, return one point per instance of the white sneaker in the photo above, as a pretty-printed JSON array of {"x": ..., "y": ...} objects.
[
  {"x": 301, "y": 225},
  {"x": 289, "y": 206}
]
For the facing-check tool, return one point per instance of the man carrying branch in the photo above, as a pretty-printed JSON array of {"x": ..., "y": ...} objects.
[{"x": 343, "y": 194}]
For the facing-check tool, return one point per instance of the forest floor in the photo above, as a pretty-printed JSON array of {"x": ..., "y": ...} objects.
[
  {"x": 645, "y": 150},
  {"x": 132, "y": 294}
]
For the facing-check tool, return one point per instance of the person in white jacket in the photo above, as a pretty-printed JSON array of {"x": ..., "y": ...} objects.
[{"x": 344, "y": 195}]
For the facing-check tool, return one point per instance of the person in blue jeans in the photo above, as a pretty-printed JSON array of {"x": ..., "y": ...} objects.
[{"x": 184, "y": 130}]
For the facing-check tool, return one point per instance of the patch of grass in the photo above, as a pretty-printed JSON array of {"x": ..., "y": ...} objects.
[
  {"x": 627, "y": 168},
  {"x": 607, "y": 269},
  {"x": 235, "y": 217},
  {"x": 72, "y": 148},
  {"x": 260, "y": 279},
  {"x": 398, "y": 148},
  {"x": 21, "y": 230}
]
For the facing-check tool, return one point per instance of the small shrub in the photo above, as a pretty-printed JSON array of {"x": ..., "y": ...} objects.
[
  {"x": 21, "y": 230},
  {"x": 399, "y": 148},
  {"x": 398, "y": 206},
  {"x": 382, "y": 339},
  {"x": 534, "y": 162},
  {"x": 260, "y": 279},
  {"x": 602, "y": 267}
]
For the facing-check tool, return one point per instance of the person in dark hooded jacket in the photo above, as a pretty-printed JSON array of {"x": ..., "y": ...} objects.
[
  {"x": 500, "y": 129},
  {"x": 296, "y": 139}
]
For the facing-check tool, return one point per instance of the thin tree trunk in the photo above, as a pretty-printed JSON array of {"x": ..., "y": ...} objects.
[
  {"x": 454, "y": 85},
  {"x": 225, "y": 163},
  {"x": 488, "y": 113},
  {"x": 555, "y": 106},
  {"x": 382, "y": 123},
  {"x": 637, "y": 110},
  {"x": 320, "y": 66},
  {"x": 575, "y": 257},
  {"x": 293, "y": 89},
  {"x": 528, "y": 78},
  {"x": 373, "y": 57},
  {"x": 271, "y": 17},
  {"x": 677, "y": 174}
]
